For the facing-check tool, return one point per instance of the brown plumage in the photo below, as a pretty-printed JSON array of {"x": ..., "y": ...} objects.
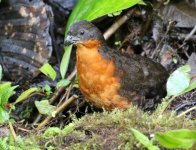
[{"x": 108, "y": 78}]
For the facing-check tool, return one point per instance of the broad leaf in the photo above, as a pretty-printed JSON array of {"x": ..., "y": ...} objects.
[
  {"x": 44, "y": 107},
  {"x": 190, "y": 87},
  {"x": 178, "y": 81},
  {"x": 182, "y": 133},
  {"x": 25, "y": 94},
  {"x": 173, "y": 141},
  {"x": 48, "y": 70},
  {"x": 92, "y": 9}
]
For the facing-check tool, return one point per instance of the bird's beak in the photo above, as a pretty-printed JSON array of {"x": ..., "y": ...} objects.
[{"x": 70, "y": 40}]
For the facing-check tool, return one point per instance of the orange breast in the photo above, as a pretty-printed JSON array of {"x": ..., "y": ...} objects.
[{"x": 96, "y": 77}]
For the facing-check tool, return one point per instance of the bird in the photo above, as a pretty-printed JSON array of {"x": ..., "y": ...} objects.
[{"x": 111, "y": 79}]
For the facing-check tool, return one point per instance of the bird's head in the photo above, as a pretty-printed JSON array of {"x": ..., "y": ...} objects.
[{"x": 83, "y": 31}]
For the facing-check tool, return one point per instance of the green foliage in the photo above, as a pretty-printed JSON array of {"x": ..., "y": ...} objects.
[
  {"x": 25, "y": 94},
  {"x": 177, "y": 138},
  {"x": 90, "y": 10},
  {"x": 6, "y": 91},
  {"x": 144, "y": 140},
  {"x": 65, "y": 61},
  {"x": 68, "y": 129},
  {"x": 178, "y": 81},
  {"x": 63, "y": 82},
  {"x": 45, "y": 108},
  {"x": 51, "y": 132},
  {"x": 4, "y": 116},
  {"x": 3, "y": 144},
  {"x": 47, "y": 90},
  {"x": 182, "y": 138},
  {"x": 190, "y": 87},
  {"x": 55, "y": 131},
  {"x": 48, "y": 70}
]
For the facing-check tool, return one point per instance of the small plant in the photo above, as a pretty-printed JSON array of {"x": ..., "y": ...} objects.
[
  {"x": 144, "y": 140},
  {"x": 182, "y": 138},
  {"x": 6, "y": 91},
  {"x": 178, "y": 83}
]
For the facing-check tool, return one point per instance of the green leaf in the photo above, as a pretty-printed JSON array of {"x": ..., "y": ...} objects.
[
  {"x": 63, "y": 82},
  {"x": 65, "y": 61},
  {"x": 178, "y": 81},
  {"x": 90, "y": 10},
  {"x": 4, "y": 116},
  {"x": 3, "y": 142},
  {"x": 6, "y": 91},
  {"x": 51, "y": 132},
  {"x": 48, "y": 70},
  {"x": 68, "y": 129},
  {"x": 47, "y": 90},
  {"x": 190, "y": 87},
  {"x": 144, "y": 140},
  {"x": 169, "y": 141},
  {"x": 45, "y": 108},
  {"x": 1, "y": 72},
  {"x": 25, "y": 94},
  {"x": 182, "y": 133},
  {"x": 141, "y": 137}
]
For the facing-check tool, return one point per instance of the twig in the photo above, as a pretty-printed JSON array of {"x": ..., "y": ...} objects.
[
  {"x": 190, "y": 34},
  {"x": 150, "y": 17},
  {"x": 66, "y": 95},
  {"x": 22, "y": 129},
  {"x": 185, "y": 112},
  {"x": 56, "y": 95},
  {"x": 58, "y": 110},
  {"x": 117, "y": 24},
  {"x": 12, "y": 131},
  {"x": 61, "y": 89}
]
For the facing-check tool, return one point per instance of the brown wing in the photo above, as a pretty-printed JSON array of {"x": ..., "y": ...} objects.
[{"x": 139, "y": 75}]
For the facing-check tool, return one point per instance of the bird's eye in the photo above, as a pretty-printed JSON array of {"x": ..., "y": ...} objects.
[{"x": 81, "y": 32}]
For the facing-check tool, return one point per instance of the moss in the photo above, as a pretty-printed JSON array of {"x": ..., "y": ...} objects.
[{"x": 110, "y": 130}]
